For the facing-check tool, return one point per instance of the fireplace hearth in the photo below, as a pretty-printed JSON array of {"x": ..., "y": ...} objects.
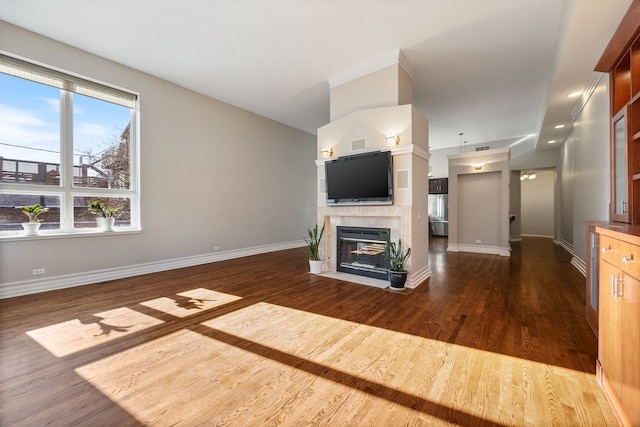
[{"x": 361, "y": 251}]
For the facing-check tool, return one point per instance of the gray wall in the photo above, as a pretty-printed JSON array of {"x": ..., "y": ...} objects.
[
  {"x": 479, "y": 215},
  {"x": 211, "y": 175},
  {"x": 566, "y": 188},
  {"x": 586, "y": 167}
]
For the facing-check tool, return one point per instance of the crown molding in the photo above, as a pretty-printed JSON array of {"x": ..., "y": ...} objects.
[
  {"x": 410, "y": 149},
  {"x": 395, "y": 57},
  {"x": 596, "y": 77}
]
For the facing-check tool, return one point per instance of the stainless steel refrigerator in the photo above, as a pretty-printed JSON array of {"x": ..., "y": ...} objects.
[{"x": 439, "y": 214}]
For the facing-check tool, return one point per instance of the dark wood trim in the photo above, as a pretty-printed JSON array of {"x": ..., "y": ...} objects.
[{"x": 621, "y": 40}]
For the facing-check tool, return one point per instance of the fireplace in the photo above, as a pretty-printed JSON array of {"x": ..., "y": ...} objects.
[{"x": 361, "y": 251}]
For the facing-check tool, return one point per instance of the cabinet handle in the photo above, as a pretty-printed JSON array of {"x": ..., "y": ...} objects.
[
  {"x": 626, "y": 260},
  {"x": 624, "y": 207},
  {"x": 605, "y": 250},
  {"x": 613, "y": 285},
  {"x": 619, "y": 288}
]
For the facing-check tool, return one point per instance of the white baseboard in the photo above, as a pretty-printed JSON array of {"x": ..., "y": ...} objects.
[
  {"x": 478, "y": 249},
  {"x": 537, "y": 235},
  {"x": 26, "y": 287},
  {"x": 566, "y": 245},
  {"x": 417, "y": 277},
  {"x": 580, "y": 265}
]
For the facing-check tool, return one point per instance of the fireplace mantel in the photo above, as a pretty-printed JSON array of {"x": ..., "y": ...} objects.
[{"x": 396, "y": 218}]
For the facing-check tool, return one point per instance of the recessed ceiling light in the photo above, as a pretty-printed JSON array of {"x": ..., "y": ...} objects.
[
  {"x": 574, "y": 94},
  {"x": 559, "y": 126},
  {"x": 553, "y": 141}
]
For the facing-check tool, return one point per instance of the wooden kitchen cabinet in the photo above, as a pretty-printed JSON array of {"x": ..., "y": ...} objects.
[
  {"x": 439, "y": 186},
  {"x": 621, "y": 59},
  {"x": 618, "y": 242},
  {"x": 609, "y": 342},
  {"x": 591, "y": 294},
  {"x": 619, "y": 323}
]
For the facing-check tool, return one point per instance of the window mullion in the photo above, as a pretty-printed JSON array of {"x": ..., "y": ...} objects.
[
  {"x": 66, "y": 159},
  {"x": 134, "y": 164}
]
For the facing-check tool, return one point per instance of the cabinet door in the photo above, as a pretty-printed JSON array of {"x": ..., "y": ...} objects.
[
  {"x": 433, "y": 186},
  {"x": 609, "y": 339},
  {"x": 439, "y": 186},
  {"x": 620, "y": 169},
  {"x": 629, "y": 298},
  {"x": 593, "y": 252},
  {"x": 444, "y": 185}
]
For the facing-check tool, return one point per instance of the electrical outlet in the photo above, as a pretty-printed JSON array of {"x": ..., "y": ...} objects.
[
  {"x": 216, "y": 248},
  {"x": 478, "y": 241},
  {"x": 37, "y": 271}
]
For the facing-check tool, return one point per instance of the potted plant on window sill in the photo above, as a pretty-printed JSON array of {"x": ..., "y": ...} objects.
[
  {"x": 313, "y": 245},
  {"x": 32, "y": 212},
  {"x": 396, "y": 257},
  {"x": 106, "y": 214}
]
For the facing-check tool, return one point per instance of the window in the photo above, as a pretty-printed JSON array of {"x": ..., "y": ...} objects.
[{"x": 64, "y": 141}]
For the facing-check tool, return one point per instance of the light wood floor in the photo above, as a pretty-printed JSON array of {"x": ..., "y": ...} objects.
[{"x": 258, "y": 341}]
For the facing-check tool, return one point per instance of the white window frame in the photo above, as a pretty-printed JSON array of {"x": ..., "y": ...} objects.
[{"x": 66, "y": 190}]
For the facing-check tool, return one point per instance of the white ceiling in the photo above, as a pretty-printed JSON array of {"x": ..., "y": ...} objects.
[{"x": 496, "y": 70}]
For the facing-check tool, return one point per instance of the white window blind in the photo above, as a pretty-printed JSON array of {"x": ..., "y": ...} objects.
[{"x": 26, "y": 70}]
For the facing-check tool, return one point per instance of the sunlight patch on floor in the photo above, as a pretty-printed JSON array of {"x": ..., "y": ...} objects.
[
  {"x": 487, "y": 385},
  {"x": 220, "y": 384},
  {"x": 268, "y": 364},
  {"x": 80, "y": 334},
  {"x": 191, "y": 302}
]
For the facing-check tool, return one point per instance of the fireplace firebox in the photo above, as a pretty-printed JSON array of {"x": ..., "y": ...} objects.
[{"x": 361, "y": 251}]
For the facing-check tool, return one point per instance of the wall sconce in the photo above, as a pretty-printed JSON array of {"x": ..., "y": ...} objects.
[
  {"x": 326, "y": 152},
  {"x": 477, "y": 166},
  {"x": 392, "y": 140}
]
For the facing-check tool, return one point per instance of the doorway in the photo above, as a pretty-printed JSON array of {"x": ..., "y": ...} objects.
[{"x": 537, "y": 202}]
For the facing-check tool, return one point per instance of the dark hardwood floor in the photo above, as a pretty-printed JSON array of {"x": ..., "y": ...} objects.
[
  {"x": 105, "y": 354},
  {"x": 530, "y": 305}
]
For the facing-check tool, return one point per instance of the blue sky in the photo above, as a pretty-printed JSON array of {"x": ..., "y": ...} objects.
[{"x": 30, "y": 122}]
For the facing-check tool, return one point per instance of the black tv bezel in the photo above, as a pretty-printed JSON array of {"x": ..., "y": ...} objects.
[{"x": 379, "y": 201}]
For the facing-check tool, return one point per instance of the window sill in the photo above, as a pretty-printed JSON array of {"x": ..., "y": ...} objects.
[{"x": 53, "y": 234}]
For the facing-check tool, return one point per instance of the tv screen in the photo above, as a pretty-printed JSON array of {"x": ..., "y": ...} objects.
[{"x": 360, "y": 179}]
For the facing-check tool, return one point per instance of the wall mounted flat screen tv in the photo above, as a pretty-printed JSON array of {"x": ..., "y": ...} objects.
[{"x": 360, "y": 179}]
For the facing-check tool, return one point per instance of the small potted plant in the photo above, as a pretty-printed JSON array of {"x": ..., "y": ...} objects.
[
  {"x": 106, "y": 214},
  {"x": 313, "y": 245},
  {"x": 396, "y": 257},
  {"x": 32, "y": 212}
]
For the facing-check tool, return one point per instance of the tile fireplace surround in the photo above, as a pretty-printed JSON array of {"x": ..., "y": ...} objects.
[{"x": 395, "y": 218}]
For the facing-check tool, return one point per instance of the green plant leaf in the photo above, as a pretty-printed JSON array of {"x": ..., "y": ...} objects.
[
  {"x": 394, "y": 254},
  {"x": 33, "y": 211},
  {"x": 313, "y": 242}
]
